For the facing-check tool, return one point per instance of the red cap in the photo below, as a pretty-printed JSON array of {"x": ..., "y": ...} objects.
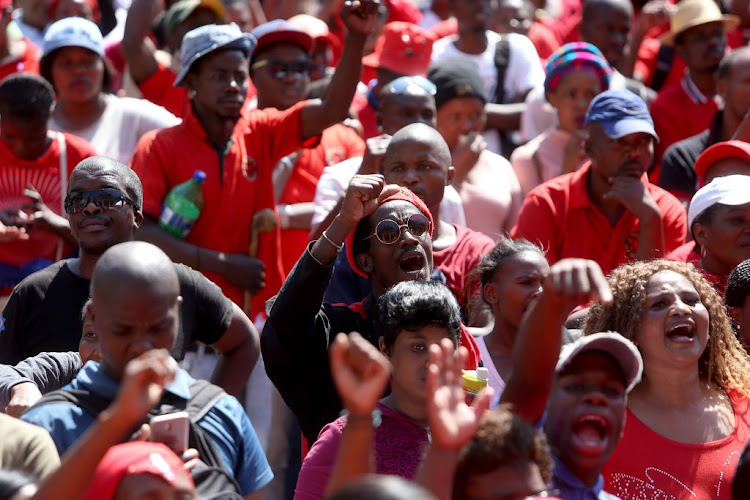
[
  {"x": 405, "y": 194},
  {"x": 719, "y": 151},
  {"x": 403, "y": 48},
  {"x": 4, "y": 4},
  {"x": 280, "y": 30},
  {"x": 134, "y": 457},
  {"x": 314, "y": 27}
]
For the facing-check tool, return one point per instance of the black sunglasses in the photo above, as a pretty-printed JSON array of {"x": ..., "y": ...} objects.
[
  {"x": 281, "y": 69},
  {"x": 388, "y": 231},
  {"x": 107, "y": 199}
]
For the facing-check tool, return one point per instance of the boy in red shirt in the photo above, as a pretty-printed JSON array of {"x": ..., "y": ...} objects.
[{"x": 33, "y": 179}]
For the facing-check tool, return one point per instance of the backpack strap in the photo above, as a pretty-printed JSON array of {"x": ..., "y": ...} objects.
[
  {"x": 91, "y": 403},
  {"x": 502, "y": 58},
  {"x": 203, "y": 396},
  {"x": 664, "y": 59}
]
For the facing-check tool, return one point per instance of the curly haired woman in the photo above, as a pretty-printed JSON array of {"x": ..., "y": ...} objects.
[{"x": 687, "y": 419}]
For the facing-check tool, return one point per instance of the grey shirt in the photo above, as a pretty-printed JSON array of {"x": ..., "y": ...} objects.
[{"x": 49, "y": 371}]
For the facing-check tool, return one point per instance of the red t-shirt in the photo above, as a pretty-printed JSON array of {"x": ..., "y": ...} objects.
[
  {"x": 44, "y": 174},
  {"x": 458, "y": 260},
  {"x": 688, "y": 253},
  {"x": 680, "y": 111},
  {"x": 337, "y": 144},
  {"x": 648, "y": 465},
  {"x": 560, "y": 217},
  {"x": 165, "y": 158},
  {"x": 27, "y": 63}
]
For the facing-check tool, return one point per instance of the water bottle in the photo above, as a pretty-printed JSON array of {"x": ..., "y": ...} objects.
[
  {"x": 182, "y": 206},
  {"x": 474, "y": 381}
]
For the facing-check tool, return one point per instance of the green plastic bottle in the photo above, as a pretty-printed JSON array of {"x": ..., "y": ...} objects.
[{"x": 182, "y": 206}]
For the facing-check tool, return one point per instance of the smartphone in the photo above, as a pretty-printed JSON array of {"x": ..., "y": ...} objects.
[{"x": 172, "y": 430}]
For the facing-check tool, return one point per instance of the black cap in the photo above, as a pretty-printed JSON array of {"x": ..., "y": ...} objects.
[{"x": 454, "y": 78}]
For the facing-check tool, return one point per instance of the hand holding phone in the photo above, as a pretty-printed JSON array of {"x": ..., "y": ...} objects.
[{"x": 172, "y": 430}]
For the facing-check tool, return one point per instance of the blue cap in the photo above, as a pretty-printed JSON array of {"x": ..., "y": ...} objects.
[
  {"x": 620, "y": 113},
  {"x": 199, "y": 175},
  {"x": 209, "y": 38},
  {"x": 73, "y": 32}
]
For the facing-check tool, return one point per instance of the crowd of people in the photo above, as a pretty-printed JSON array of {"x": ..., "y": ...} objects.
[{"x": 374, "y": 249}]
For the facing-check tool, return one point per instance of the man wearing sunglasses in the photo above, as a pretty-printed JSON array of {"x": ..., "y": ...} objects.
[
  {"x": 280, "y": 69},
  {"x": 388, "y": 231},
  {"x": 103, "y": 204},
  {"x": 238, "y": 154}
]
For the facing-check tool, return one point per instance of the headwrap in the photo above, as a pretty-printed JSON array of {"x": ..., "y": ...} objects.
[{"x": 576, "y": 56}]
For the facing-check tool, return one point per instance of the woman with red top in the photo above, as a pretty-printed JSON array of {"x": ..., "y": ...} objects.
[
  {"x": 687, "y": 420},
  {"x": 719, "y": 220},
  {"x": 412, "y": 316}
]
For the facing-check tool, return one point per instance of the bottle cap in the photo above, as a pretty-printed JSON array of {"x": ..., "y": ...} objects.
[
  {"x": 471, "y": 382},
  {"x": 199, "y": 175},
  {"x": 483, "y": 373}
]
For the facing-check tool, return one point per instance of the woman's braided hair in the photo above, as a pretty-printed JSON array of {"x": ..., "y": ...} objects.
[{"x": 724, "y": 362}]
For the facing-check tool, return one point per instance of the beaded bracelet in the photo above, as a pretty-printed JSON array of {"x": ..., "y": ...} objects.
[{"x": 375, "y": 418}]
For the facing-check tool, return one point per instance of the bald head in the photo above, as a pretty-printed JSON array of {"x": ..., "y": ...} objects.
[
  {"x": 134, "y": 267},
  {"x": 421, "y": 134}
]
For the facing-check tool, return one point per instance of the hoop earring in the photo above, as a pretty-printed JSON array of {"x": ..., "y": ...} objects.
[{"x": 192, "y": 93}]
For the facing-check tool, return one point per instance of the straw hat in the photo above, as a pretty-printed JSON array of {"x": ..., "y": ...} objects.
[{"x": 691, "y": 13}]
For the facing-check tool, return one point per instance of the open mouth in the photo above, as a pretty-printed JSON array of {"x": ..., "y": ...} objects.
[
  {"x": 682, "y": 332},
  {"x": 411, "y": 263},
  {"x": 590, "y": 433}
]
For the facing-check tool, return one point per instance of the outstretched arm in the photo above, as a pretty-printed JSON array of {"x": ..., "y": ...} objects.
[
  {"x": 570, "y": 282},
  {"x": 140, "y": 51}
]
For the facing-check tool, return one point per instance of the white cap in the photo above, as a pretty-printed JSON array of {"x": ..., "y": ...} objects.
[
  {"x": 729, "y": 190},
  {"x": 621, "y": 349}
]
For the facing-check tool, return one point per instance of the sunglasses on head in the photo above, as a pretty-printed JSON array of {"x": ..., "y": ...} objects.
[
  {"x": 107, "y": 199},
  {"x": 410, "y": 84},
  {"x": 388, "y": 231},
  {"x": 281, "y": 69}
]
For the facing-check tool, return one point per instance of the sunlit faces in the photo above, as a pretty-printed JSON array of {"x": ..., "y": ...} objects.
[
  {"x": 220, "y": 83},
  {"x": 460, "y": 116},
  {"x": 608, "y": 28},
  {"x": 674, "y": 322},
  {"x": 725, "y": 237},
  {"x": 409, "y": 356},
  {"x": 281, "y": 75},
  {"x": 410, "y": 258},
  {"x": 94, "y": 228},
  {"x": 398, "y": 111},
  {"x": 628, "y": 156},
  {"x": 27, "y": 140},
  {"x": 515, "y": 284},
  {"x": 586, "y": 413},
  {"x": 702, "y": 46},
  {"x": 572, "y": 97}
]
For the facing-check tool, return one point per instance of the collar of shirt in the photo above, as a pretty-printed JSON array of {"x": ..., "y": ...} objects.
[
  {"x": 93, "y": 378},
  {"x": 692, "y": 90},
  {"x": 565, "y": 480}
]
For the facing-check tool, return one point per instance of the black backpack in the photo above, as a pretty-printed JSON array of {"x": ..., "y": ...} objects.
[
  {"x": 501, "y": 59},
  {"x": 212, "y": 481}
]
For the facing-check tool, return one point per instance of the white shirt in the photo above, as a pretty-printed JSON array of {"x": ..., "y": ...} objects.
[
  {"x": 335, "y": 180},
  {"x": 524, "y": 71},
  {"x": 124, "y": 121}
]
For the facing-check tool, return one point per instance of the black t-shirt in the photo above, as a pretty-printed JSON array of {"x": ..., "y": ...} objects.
[{"x": 43, "y": 313}]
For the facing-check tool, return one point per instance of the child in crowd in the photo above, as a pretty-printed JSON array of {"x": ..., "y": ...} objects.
[
  {"x": 412, "y": 316},
  {"x": 576, "y": 73}
]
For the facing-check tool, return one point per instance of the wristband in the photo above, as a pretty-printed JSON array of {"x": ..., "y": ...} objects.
[
  {"x": 329, "y": 240},
  {"x": 375, "y": 418},
  {"x": 284, "y": 216}
]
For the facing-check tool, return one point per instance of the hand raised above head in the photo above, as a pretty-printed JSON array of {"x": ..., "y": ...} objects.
[
  {"x": 360, "y": 16},
  {"x": 577, "y": 281}
]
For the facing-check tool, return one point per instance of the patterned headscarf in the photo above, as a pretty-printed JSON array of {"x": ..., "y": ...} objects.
[{"x": 576, "y": 56}]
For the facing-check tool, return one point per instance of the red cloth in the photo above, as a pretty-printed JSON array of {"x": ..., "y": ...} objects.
[
  {"x": 669, "y": 110},
  {"x": 44, "y": 174},
  {"x": 367, "y": 117},
  {"x": 159, "y": 88},
  {"x": 399, "y": 443},
  {"x": 560, "y": 217},
  {"x": 337, "y": 144},
  {"x": 165, "y": 158},
  {"x": 647, "y": 465},
  {"x": 544, "y": 40},
  {"x": 458, "y": 260},
  {"x": 27, "y": 63},
  {"x": 688, "y": 253}
]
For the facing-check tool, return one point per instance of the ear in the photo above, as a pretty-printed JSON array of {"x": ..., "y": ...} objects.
[
  {"x": 490, "y": 293},
  {"x": 735, "y": 313},
  {"x": 700, "y": 234},
  {"x": 383, "y": 348},
  {"x": 451, "y": 175},
  {"x": 379, "y": 119},
  {"x": 587, "y": 145},
  {"x": 137, "y": 218},
  {"x": 364, "y": 261},
  {"x": 89, "y": 311}
]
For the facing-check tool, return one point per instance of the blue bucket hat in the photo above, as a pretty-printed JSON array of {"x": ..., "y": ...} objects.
[
  {"x": 620, "y": 113},
  {"x": 73, "y": 32},
  {"x": 209, "y": 38}
]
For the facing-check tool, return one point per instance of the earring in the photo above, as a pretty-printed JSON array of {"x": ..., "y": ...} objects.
[{"x": 192, "y": 93}]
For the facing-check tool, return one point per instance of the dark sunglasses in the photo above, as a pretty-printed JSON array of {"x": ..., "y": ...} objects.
[
  {"x": 107, "y": 199},
  {"x": 388, "y": 231},
  {"x": 281, "y": 69},
  {"x": 403, "y": 85}
]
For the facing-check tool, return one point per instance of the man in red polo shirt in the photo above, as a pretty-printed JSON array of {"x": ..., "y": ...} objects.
[
  {"x": 698, "y": 32},
  {"x": 607, "y": 211},
  {"x": 237, "y": 155},
  {"x": 281, "y": 68}
]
